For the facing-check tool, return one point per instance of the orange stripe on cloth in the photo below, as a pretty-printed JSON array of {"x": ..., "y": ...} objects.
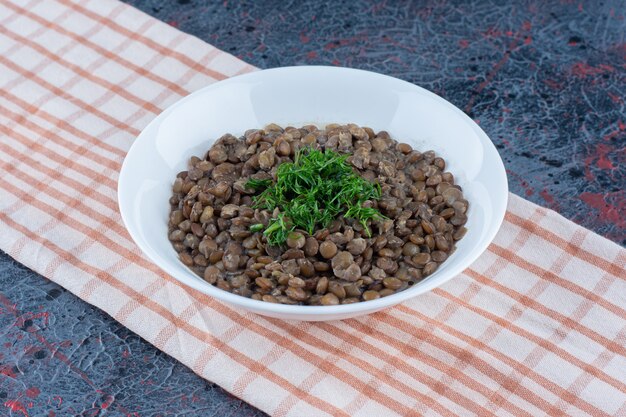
[
  {"x": 31, "y": 112},
  {"x": 430, "y": 338},
  {"x": 545, "y": 344},
  {"x": 616, "y": 269},
  {"x": 61, "y": 93},
  {"x": 143, "y": 72},
  {"x": 408, "y": 349},
  {"x": 615, "y": 346},
  {"x": 75, "y": 148},
  {"x": 524, "y": 369},
  {"x": 57, "y": 174},
  {"x": 120, "y": 91},
  {"x": 551, "y": 276},
  {"x": 157, "y": 47}
]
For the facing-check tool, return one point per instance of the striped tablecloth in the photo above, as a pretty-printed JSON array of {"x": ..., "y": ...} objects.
[{"x": 536, "y": 326}]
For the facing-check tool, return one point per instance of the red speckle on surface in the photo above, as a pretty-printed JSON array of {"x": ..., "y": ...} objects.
[
  {"x": 603, "y": 160},
  {"x": 32, "y": 316},
  {"x": 7, "y": 345},
  {"x": 527, "y": 25},
  {"x": 399, "y": 45},
  {"x": 311, "y": 55},
  {"x": 528, "y": 40},
  {"x": 304, "y": 38},
  {"x": 609, "y": 211},
  {"x": 7, "y": 305},
  {"x": 124, "y": 411},
  {"x": 336, "y": 62},
  {"x": 552, "y": 84},
  {"x": 51, "y": 413},
  {"x": 16, "y": 406},
  {"x": 378, "y": 7},
  {"x": 7, "y": 370},
  {"x": 614, "y": 98},
  {"x": 491, "y": 74},
  {"x": 582, "y": 69},
  {"x": 344, "y": 42},
  {"x": 603, "y": 156},
  {"x": 107, "y": 402},
  {"x": 125, "y": 353},
  {"x": 65, "y": 343},
  {"x": 547, "y": 196},
  {"x": 527, "y": 189},
  {"x": 173, "y": 23},
  {"x": 464, "y": 43},
  {"x": 63, "y": 358},
  {"x": 32, "y": 392}
]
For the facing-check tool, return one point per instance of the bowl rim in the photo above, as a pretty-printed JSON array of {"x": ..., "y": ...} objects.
[{"x": 500, "y": 200}]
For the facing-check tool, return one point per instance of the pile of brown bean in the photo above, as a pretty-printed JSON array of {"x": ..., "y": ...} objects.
[{"x": 211, "y": 214}]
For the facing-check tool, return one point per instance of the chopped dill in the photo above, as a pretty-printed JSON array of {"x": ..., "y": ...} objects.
[
  {"x": 256, "y": 184},
  {"x": 277, "y": 230},
  {"x": 256, "y": 227},
  {"x": 311, "y": 192}
]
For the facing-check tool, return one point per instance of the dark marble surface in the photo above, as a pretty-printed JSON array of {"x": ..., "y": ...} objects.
[
  {"x": 61, "y": 357},
  {"x": 545, "y": 81}
]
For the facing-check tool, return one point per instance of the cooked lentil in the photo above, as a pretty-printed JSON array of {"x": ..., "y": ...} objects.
[{"x": 221, "y": 234}]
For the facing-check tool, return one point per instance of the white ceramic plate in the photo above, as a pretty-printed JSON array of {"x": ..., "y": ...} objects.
[{"x": 297, "y": 96}]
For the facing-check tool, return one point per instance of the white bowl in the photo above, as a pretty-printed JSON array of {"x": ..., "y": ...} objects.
[{"x": 309, "y": 95}]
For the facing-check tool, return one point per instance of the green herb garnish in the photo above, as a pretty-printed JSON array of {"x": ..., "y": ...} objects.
[
  {"x": 258, "y": 184},
  {"x": 277, "y": 230},
  {"x": 311, "y": 192},
  {"x": 256, "y": 227}
]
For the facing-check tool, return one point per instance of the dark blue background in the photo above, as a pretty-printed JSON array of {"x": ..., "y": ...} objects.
[{"x": 546, "y": 82}]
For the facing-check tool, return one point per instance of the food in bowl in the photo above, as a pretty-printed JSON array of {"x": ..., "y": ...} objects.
[
  {"x": 313, "y": 216},
  {"x": 410, "y": 113}
]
